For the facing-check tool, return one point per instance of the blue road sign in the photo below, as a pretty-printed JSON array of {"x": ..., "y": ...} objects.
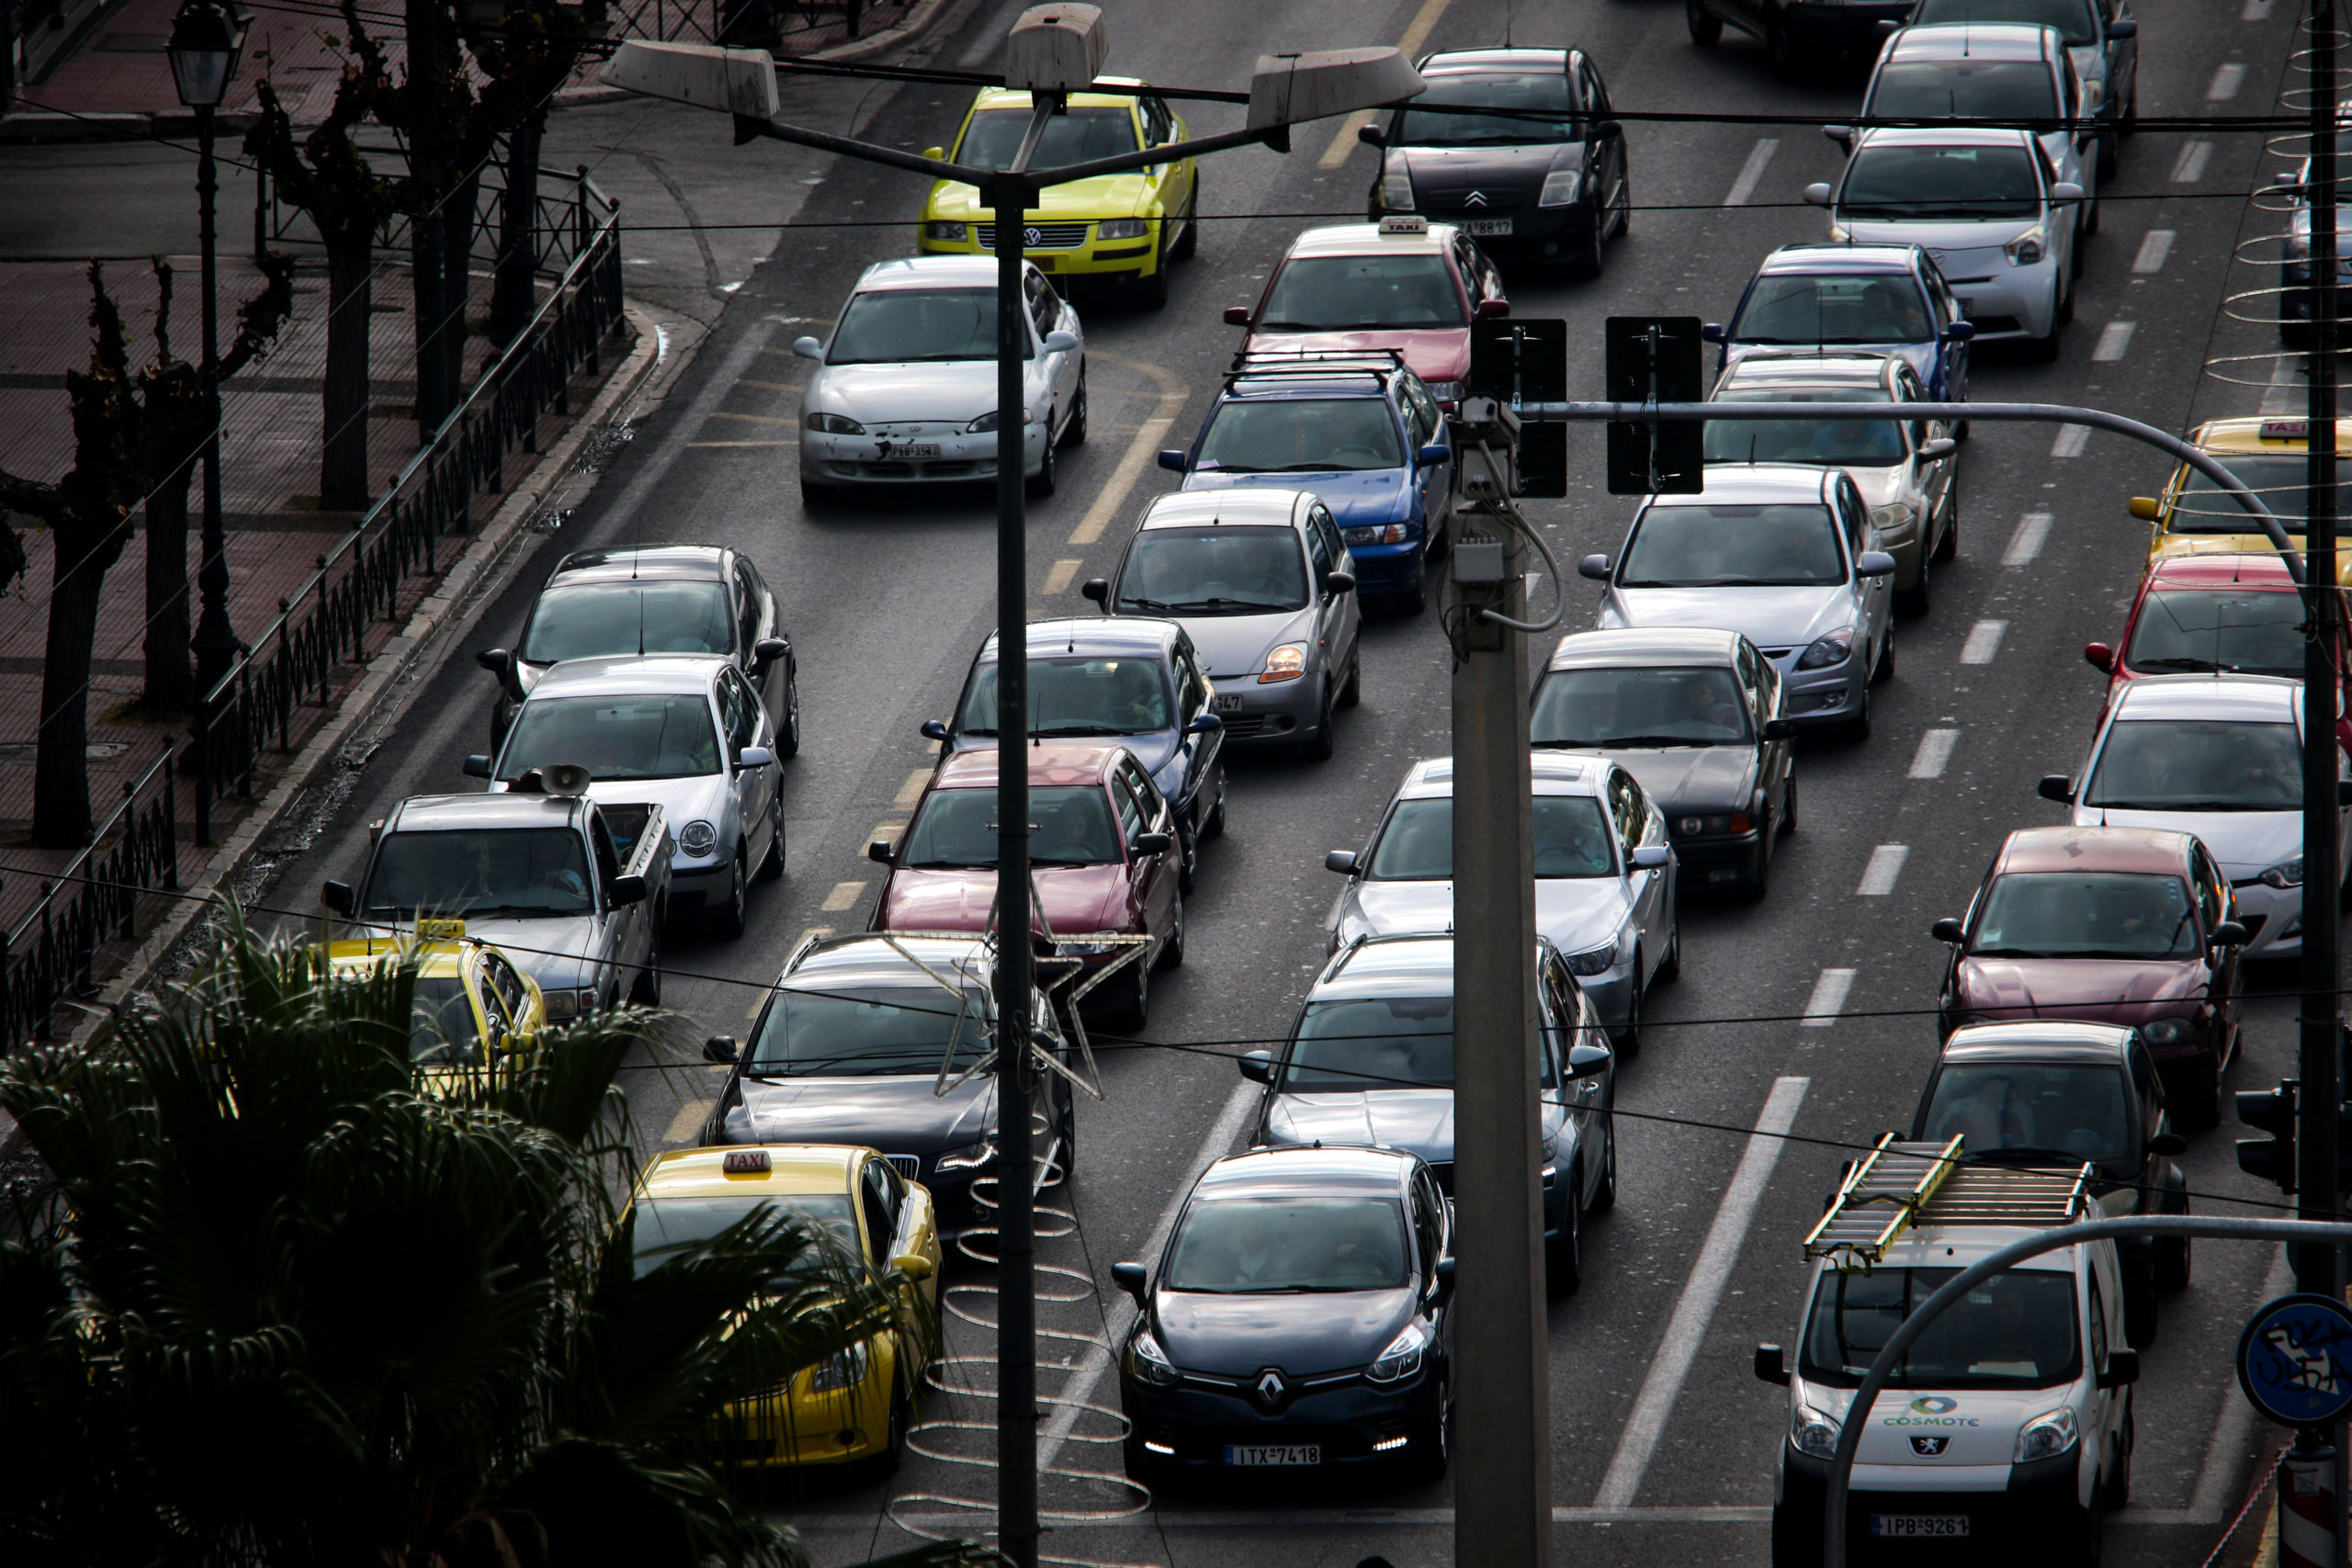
[{"x": 2295, "y": 1360}]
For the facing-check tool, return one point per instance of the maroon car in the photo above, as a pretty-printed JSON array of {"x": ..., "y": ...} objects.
[
  {"x": 2131, "y": 926},
  {"x": 1102, "y": 846}
]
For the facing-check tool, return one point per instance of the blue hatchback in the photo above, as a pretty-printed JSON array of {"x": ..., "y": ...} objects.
[
  {"x": 1361, "y": 432},
  {"x": 1860, "y": 299}
]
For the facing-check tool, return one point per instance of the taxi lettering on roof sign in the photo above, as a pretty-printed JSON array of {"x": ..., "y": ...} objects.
[
  {"x": 2284, "y": 429},
  {"x": 1404, "y": 223},
  {"x": 441, "y": 930}
]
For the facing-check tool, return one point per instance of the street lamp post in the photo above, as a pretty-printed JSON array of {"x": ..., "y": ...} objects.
[{"x": 208, "y": 36}]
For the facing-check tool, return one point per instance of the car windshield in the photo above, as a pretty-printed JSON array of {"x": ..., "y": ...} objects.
[
  {"x": 478, "y": 873},
  {"x": 1697, "y": 706},
  {"x": 866, "y": 1030},
  {"x": 1973, "y": 89},
  {"x": 1376, "y": 1042},
  {"x": 1571, "y": 840},
  {"x": 2029, "y": 1110},
  {"x": 1534, "y": 104},
  {"x": 2016, "y": 1330},
  {"x": 442, "y": 1029},
  {"x": 2072, "y": 18},
  {"x": 1213, "y": 572},
  {"x": 2190, "y": 764},
  {"x": 1125, "y": 695},
  {"x": 663, "y": 736},
  {"x": 1345, "y": 294},
  {"x": 1300, "y": 436},
  {"x": 2278, "y": 481},
  {"x": 1808, "y": 309},
  {"x": 1079, "y": 136},
  {"x": 1272, "y": 1246},
  {"x": 1892, "y": 183},
  {"x": 593, "y": 620},
  {"x": 1844, "y": 442},
  {"x": 669, "y": 1227},
  {"x": 1717, "y": 545},
  {"x": 2086, "y": 914},
  {"x": 2219, "y": 628},
  {"x": 1069, "y": 825},
  {"x": 899, "y": 326}
]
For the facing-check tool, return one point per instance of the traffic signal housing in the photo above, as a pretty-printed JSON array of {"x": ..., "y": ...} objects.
[{"x": 2273, "y": 1112}]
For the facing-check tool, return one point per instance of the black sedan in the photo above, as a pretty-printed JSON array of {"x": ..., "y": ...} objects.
[
  {"x": 1299, "y": 1321},
  {"x": 1697, "y": 715},
  {"x": 1540, "y": 171}
]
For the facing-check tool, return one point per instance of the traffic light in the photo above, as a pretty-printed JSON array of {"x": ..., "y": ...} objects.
[
  {"x": 1655, "y": 359},
  {"x": 2272, "y": 1111}
]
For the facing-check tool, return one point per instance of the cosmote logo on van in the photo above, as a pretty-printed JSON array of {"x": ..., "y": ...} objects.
[{"x": 1931, "y": 1410}]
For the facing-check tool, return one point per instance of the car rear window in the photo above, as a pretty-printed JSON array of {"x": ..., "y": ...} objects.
[
  {"x": 1213, "y": 572},
  {"x": 1536, "y": 106},
  {"x": 1692, "y": 705},
  {"x": 1299, "y": 435},
  {"x": 2192, "y": 629},
  {"x": 1253, "y": 1245},
  {"x": 1340, "y": 294},
  {"x": 1725, "y": 545},
  {"x": 661, "y": 735},
  {"x": 1895, "y": 184},
  {"x": 1069, "y": 825},
  {"x": 2072, "y": 18},
  {"x": 595, "y": 620},
  {"x": 478, "y": 872},
  {"x": 2086, "y": 914},
  {"x": 2187, "y": 764},
  {"x": 1572, "y": 839},
  {"x": 1975, "y": 89},
  {"x": 2024, "y": 1112},
  {"x": 1121, "y": 695},
  {"x": 2016, "y": 1330},
  {"x": 1806, "y": 308}
]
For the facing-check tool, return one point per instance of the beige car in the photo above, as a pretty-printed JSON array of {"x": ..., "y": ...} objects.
[{"x": 1906, "y": 470}]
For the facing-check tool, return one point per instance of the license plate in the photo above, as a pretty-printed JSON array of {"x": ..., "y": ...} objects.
[
  {"x": 1292, "y": 1454},
  {"x": 914, "y": 449},
  {"x": 1487, "y": 227},
  {"x": 1043, "y": 264},
  {"x": 1916, "y": 1526},
  {"x": 1225, "y": 703}
]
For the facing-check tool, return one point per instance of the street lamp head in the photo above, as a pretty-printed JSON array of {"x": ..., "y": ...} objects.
[
  {"x": 740, "y": 82},
  {"x": 207, "y": 38},
  {"x": 1055, "y": 49},
  {"x": 1289, "y": 88}
]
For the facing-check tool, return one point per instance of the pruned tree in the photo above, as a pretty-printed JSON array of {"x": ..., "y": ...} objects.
[{"x": 528, "y": 53}]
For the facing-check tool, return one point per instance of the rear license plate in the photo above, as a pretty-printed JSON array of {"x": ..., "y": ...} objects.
[
  {"x": 1917, "y": 1527},
  {"x": 1228, "y": 704},
  {"x": 1487, "y": 227},
  {"x": 1293, "y": 1453},
  {"x": 912, "y": 449}
]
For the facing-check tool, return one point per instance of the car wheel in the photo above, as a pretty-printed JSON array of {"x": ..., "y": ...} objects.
[
  {"x": 1706, "y": 29},
  {"x": 1948, "y": 544},
  {"x": 1074, "y": 427},
  {"x": 2074, "y": 261},
  {"x": 884, "y": 1464},
  {"x": 1415, "y": 597},
  {"x": 1669, "y": 968},
  {"x": 787, "y": 735},
  {"x": 772, "y": 864},
  {"x": 2115, "y": 1491},
  {"x": 1760, "y": 881},
  {"x": 1919, "y": 597},
  {"x": 2090, "y": 219},
  {"x": 1319, "y": 746},
  {"x": 2296, "y": 335},
  {"x": 2199, "y": 1105},
  {"x": 1604, "y": 1197},
  {"x": 1066, "y": 1157},
  {"x": 1155, "y": 288},
  {"x": 1628, "y": 1040},
  {"x": 728, "y": 916},
  {"x": 1189, "y": 246},
  {"x": 647, "y": 991},
  {"x": 1041, "y": 483},
  {"x": 1188, "y": 866},
  {"x": 1353, "y": 693},
  {"x": 1788, "y": 806},
  {"x": 1430, "y": 1456},
  {"x": 1587, "y": 262},
  {"x": 1135, "y": 1016},
  {"x": 1625, "y": 203},
  {"x": 1859, "y": 727},
  {"x": 1213, "y": 827},
  {"x": 1883, "y": 670},
  {"x": 2175, "y": 1262},
  {"x": 1564, "y": 1250},
  {"x": 1172, "y": 946}
]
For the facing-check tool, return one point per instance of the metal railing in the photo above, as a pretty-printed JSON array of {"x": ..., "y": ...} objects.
[
  {"x": 48, "y": 955},
  {"x": 325, "y": 622},
  {"x": 749, "y": 24},
  {"x": 570, "y": 207}
]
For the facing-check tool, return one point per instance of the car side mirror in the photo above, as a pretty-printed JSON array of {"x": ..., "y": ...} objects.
[
  {"x": 753, "y": 757},
  {"x": 935, "y": 729},
  {"x": 2342, "y": 786},
  {"x": 807, "y": 348},
  {"x": 2287, "y": 180},
  {"x": 497, "y": 660},
  {"x": 2066, "y": 192},
  {"x": 2170, "y": 1145},
  {"x": 1651, "y": 857},
  {"x": 1772, "y": 1364},
  {"x": 768, "y": 650},
  {"x": 1874, "y": 563},
  {"x": 914, "y": 1265},
  {"x": 339, "y": 896},
  {"x": 1172, "y": 459},
  {"x": 1372, "y": 136},
  {"x": 1154, "y": 843},
  {"x": 1061, "y": 342},
  {"x": 938, "y": 152},
  {"x": 1841, "y": 134},
  {"x": 1130, "y": 1277},
  {"x": 625, "y": 890},
  {"x": 477, "y": 766},
  {"x": 1817, "y": 194},
  {"x": 2228, "y": 934},
  {"x": 2099, "y": 657},
  {"x": 1780, "y": 730},
  {"x": 1960, "y": 331},
  {"x": 1942, "y": 447},
  {"x": 1949, "y": 931},
  {"x": 1607, "y": 130},
  {"x": 1258, "y": 1066},
  {"x": 1097, "y": 589},
  {"x": 2118, "y": 31},
  {"x": 1204, "y": 724},
  {"x": 1341, "y": 860},
  {"x": 1338, "y": 582},
  {"x": 1441, "y": 1281},
  {"x": 879, "y": 852},
  {"x": 1594, "y": 567},
  {"x": 1493, "y": 310},
  {"x": 721, "y": 1048},
  {"x": 1586, "y": 1061},
  {"x": 2056, "y": 787},
  {"x": 1433, "y": 454},
  {"x": 2144, "y": 508},
  {"x": 2122, "y": 1370},
  {"x": 1236, "y": 315},
  {"x": 1712, "y": 332}
]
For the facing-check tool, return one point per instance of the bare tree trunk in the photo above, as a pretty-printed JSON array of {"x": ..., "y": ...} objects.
[
  {"x": 171, "y": 677},
  {"x": 457, "y": 284},
  {"x": 343, "y": 470},
  {"x": 515, "y": 290},
  {"x": 61, "y": 761}
]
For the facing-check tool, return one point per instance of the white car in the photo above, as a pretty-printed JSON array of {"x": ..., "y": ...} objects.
[
  {"x": 905, "y": 390},
  {"x": 1988, "y": 207},
  {"x": 2218, "y": 756}
]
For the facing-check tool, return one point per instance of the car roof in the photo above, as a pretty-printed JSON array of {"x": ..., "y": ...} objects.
[
  {"x": 2257, "y": 433},
  {"x": 1944, "y": 136},
  {"x": 2252, "y": 699},
  {"x": 1390, "y": 967},
  {"x": 1492, "y": 59},
  {"x": 2069, "y": 849},
  {"x": 1066, "y": 763},
  {"x": 631, "y": 674},
  {"x": 1970, "y": 40},
  {"x": 1946, "y": 1246},
  {"x": 794, "y": 1170},
  {"x": 1740, "y": 483},
  {"x": 1554, "y": 772},
  {"x": 1812, "y": 256},
  {"x": 1136, "y": 636},
  {"x": 1365, "y": 239},
  {"x": 929, "y": 272},
  {"x": 870, "y": 959},
  {"x": 2048, "y": 1040},
  {"x": 1645, "y": 645},
  {"x": 1286, "y": 1171},
  {"x": 2245, "y": 571},
  {"x": 705, "y": 562},
  {"x": 1244, "y": 504},
  {"x": 1018, "y": 97},
  {"x": 449, "y": 813},
  {"x": 1796, "y": 370}
]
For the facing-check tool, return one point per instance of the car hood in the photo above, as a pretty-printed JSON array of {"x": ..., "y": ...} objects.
[
  {"x": 2245, "y": 844},
  {"x": 897, "y": 1114},
  {"x": 1106, "y": 195},
  {"x": 1305, "y": 1334},
  {"x": 1153, "y": 748},
  {"x": 1692, "y": 778},
  {"x": 703, "y": 798},
  {"x": 1354, "y": 495},
  {"x": 1575, "y": 914},
  {"x": 1921, "y": 356},
  {"x": 1070, "y": 897},
  {"x": 1420, "y": 1119},
  {"x": 1447, "y": 169},
  {"x": 1944, "y": 234},
  {"x": 1437, "y": 354},
  {"x": 1231, "y": 647},
  {"x": 1771, "y": 617},
  {"x": 1979, "y": 1426},
  {"x": 558, "y": 951},
  {"x": 2116, "y": 991},
  {"x": 950, "y": 391}
]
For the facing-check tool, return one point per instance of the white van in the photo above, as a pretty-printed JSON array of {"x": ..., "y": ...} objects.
[{"x": 2009, "y": 1426}]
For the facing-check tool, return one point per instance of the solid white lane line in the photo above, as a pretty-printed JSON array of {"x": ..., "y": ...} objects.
[
  {"x": 1983, "y": 642},
  {"x": 2113, "y": 339},
  {"x": 2033, "y": 532},
  {"x": 2154, "y": 251},
  {"x": 1828, "y": 998},
  {"x": 1752, "y": 171},
  {"x": 1934, "y": 754},
  {"x": 2227, "y": 79},
  {"x": 1709, "y": 1271},
  {"x": 2072, "y": 439},
  {"x": 1886, "y": 865},
  {"x": 2189, "y": 167},
  {"x": 2282, "y": 396}
]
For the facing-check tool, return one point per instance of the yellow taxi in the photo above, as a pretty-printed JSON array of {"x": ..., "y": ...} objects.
[
  {"x": 469, "y": 995},
  {"x": 2195, "y": 517},
  {"x": 855, "y": 1409},
  {"x": 1125, "y": 226}
]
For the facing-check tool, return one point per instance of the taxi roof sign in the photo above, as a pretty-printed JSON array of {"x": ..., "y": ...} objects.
[
  {"x": 441, "y": 930},
  {"x": 1404, "y": 223},
  {"x": 2286, "y": 430},
  {"x": 745, "y": 1162}
]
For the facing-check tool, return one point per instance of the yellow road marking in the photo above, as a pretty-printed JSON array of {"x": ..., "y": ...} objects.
[
  {"x": 844, "y": 895},
  {"x": 889, "y": 830},
  {"x": 1140, "y": 450},
  {"x": 687, "y": 1121},
  {"x": 1058, "y": 580},
  {"x": 1417, "y": 33},
  {"x": 911, "y": 790}
]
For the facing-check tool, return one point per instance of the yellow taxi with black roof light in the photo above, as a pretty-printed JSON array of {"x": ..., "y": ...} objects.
[
  {"x": 2194, "y": 516},
  {"x": 855, "y": 1408},
  {"x": 1124, "y": 226},
  {"x": 469, "y": 1000}
]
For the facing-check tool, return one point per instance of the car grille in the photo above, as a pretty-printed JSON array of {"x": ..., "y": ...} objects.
[
  {"x": 908, "y": 1165},
  {"x": 945, "y": 469},
  {"x": 1988, "y": 325},
  {"x": 1457, "y": 201},
  {"x": 1256, "y": 726},
  {"x": 1050, "y": 236}
]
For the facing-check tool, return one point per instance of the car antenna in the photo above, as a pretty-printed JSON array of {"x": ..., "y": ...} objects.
[{"x": 1751, "y": 448}]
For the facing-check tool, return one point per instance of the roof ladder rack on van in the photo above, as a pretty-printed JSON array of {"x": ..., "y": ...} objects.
[{"x": 1901, "y": 1185}]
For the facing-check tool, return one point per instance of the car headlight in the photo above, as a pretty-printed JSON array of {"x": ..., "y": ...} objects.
[
  {"x": 1396, "y": 191},
  {"x": 1813, "y": 1432},
  {"x": 1403, "y": 1357},
  {"x": 2094, "y": 94},
  {"x": 845, "y": 1371},
  {"x": 1377, "y": 534},
  {"x": 982, "y": 425},
  {"x": 1560, "y": 187},
  {"x": 569, "y": 1002},
  {"x": 2045, "y": 1436},
  {"x": 1835, "y": 648},
  {"x": 1287, "y": 663},
  {"x": 1081, "y": 949},
  {"x": 1152, "y": 1365},
  {"x": 1446, "y": 391},
  {"x": 2028, "y": 247},
  {"x": 1713, "y": 822},
  {"x": 2168, "y": 1030},
  {"x": 1894, "y": 518},
  {"x": 1596, "y": 962},
  {"x": 971, "y": 1157},
  {"x": 1122, "y": 228},
  {"x": 832, "y": 423},
  {"x": 954, "y": 233},
  {"x": 2285, "y": 875},
  {"x": 698, "y": 838}
]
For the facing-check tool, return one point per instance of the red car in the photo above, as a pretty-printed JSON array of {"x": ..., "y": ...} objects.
[
  {"x": 2131, "y": 926},
  {"x": 1403, "y": 283},
  {"x": 2195, "y": 612},
  {"x": 1101, "y": 845}
]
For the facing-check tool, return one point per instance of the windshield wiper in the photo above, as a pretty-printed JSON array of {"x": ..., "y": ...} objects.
[
  {"x": 1221, "y": 604},
  {"x": 1081, "y": 729},
  {"x": 2006, "y": 953},
  {"x": 1656, "y": 740},
  {"x": 2024, "y": 1156},
  {"x": 1140, "y": 603}
]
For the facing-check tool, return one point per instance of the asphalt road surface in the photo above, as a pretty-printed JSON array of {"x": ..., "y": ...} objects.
[{"x": 1663, "y": 1441}]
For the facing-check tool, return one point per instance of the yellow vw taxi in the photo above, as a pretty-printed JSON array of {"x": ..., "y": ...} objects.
[
  {"x": 469, "y": 995},
  {"x": 855, "y": 1409},
  {"x": 2194, "y": 516},
  {"x": 1124, "y": 226}
]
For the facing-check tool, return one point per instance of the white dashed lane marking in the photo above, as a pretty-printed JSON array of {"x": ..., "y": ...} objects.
[
  {"x": 2227, "y": 79},
  {"x": 2189, "y": 167},
  {"x": 1752, "y": 171},
  {"x": 2033, "y": 532},
  {"x": 1984, "y": 641},
  {"x": 1828, "y": 998},
  {"x": 2153, "y": 250},
  {"x": 2113, "y": 339},
  {"x": 2072, "y": 439},
  {"x": 1934, "y": 754},
  {"x": 1886, "y": 865}
]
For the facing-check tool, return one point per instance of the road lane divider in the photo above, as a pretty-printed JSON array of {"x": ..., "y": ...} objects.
[
  {"x": 2114, "y": 339},
  {"x": 2155, "y": 251},
  {"x": 1751, "y": 172},
  {"x": 2033, "y": 532},
  {"x": 1058, "y": 580},
  {"x": 909, "y": 794},
  {"x": 1828, "y": 998},
  {"x": 1934, "y": 754},
  {"x": 1702, "y": 1294},
  {"x": 1417, "y": 33},
  {"x": 1886, "y": 866},
  {"x": 2189, "y": 167},
  {"x": 1984, "y": 641},
  {"x": 2072, "y": 439},
  {"x": 687, "y": 1121},
  {"x": 2228, "y": 78},
  {"x": 1139, "y": 451},
  {"x": 843, "y": 895}
]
